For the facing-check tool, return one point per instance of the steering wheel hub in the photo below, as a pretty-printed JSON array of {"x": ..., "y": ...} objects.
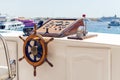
[{"x": 34, "y": 50}]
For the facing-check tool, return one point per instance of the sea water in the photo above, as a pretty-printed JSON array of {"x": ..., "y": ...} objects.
[
  {"x": 93, "y": 26},
  {"x": 102, "y": 27}
]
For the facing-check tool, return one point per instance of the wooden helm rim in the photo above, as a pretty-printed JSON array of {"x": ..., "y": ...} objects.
[{"x": 44, "y": 54}]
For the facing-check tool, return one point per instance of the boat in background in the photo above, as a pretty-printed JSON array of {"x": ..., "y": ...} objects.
[
  {"x": 112, "y": 21},
  {"x": 115, "y": 22},
  {"x": 29, "y": 25},
  {"x": 3, "y": 18},
  {"x": 108, "y": 19},
  {"x": 12, "y": 25}
]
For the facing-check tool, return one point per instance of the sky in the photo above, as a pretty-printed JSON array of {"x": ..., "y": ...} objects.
[{"x": 60, "y": 8}]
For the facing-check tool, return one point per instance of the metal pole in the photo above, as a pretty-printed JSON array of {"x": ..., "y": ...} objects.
[
  {"x": 85, "y": 27},
  {"x": 7, "y": 55}
]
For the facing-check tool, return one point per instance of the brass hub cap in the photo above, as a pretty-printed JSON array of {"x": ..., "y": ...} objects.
[{"x": 34, "y": 50}]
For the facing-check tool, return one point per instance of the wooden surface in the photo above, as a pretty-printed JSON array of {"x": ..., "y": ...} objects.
[
  {"x": 60, "y": 27},
  {"x": 81, "y": 38}
]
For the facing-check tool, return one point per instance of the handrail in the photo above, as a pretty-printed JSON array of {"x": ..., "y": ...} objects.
[{"x": 7, "y": 55}]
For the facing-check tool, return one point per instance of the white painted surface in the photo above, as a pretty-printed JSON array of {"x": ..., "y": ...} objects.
[
  {"x": 95, "y": 58},
  {"x": 88, "y": 63}
]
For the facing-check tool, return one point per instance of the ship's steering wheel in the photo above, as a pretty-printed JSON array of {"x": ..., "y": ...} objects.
[{"x": 35, "y": 50}]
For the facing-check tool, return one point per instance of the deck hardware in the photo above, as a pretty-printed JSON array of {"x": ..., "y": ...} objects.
[{"x": 35, "y": 50}]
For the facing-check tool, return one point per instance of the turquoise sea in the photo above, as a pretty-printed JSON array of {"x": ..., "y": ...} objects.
[{"x": 102, "y": 27}]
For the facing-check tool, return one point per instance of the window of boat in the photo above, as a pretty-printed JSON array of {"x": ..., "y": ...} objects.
[
  {"x": 12, "y": 25},
  {"x": 18, "y": 24}
]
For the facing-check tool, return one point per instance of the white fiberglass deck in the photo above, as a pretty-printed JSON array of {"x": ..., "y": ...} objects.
[{"x": 95, "y": 58}]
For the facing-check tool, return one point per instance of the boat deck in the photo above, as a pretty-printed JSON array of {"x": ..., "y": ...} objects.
[{"x": 95, "y": 58}]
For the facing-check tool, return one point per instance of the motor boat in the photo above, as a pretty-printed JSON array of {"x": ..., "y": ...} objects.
[
  {"x": 12, "y": 25},
  {"x": 114, "y": 23},
  {"x": 58, "y": 52},
  {"x": 29, "y": 25}
]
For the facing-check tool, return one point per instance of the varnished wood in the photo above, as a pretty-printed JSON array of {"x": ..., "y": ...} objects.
[
  {"x": 21, "y": 38},
  {"x": 65, "y": 28},
  {"x": 81, "y": 38},
  {"x": 21, "y": 58},
  {"x": 39, "y": 38},
  {"x": 44, "y": 54}
]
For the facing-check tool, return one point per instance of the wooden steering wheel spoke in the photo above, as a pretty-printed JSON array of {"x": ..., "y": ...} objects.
[
  {"x": 34, "y": 71},
  {"x": 21, "y": 58},
  {"x": 51, "y": 39},
  {"x": 50, "y": 64},
  {"x": 21, "y": 38}
]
